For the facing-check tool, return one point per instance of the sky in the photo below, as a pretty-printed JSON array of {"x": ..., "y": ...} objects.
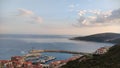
[{"x": 62, "y": 17}]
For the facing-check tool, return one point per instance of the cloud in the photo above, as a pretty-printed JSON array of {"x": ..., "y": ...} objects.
[
  {"x": 24, "y": 12},
  {"x": 37, "y": 19},
  {"x": 97, "y": 17},
  {"x": 115, "y": 14},
  {"x": 81, "y": 12},
  {"x": 73, "y": 6},
  {"x": 29, "y": 16},
  {"x": 97, "y": 12}
]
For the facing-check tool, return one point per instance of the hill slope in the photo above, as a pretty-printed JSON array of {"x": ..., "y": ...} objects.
[
  {"x": 109, "y": 60},
  {"x": 103, "y": 37}
]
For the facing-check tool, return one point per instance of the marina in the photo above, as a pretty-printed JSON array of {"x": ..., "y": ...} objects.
[
  {"x": 41, "y": 59},
  {"x": 35, "y": 56}
]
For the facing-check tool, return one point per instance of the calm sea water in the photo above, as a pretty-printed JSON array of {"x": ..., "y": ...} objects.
[{"x": 12, "y": 45}]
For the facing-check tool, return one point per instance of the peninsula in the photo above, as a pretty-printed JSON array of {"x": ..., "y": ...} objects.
[{"x": 101, "y": 37}]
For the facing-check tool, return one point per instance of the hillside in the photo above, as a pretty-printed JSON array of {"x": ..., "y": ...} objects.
[
  {"x": 109, "y": 60},
  {"x": 102, "y": 37}
]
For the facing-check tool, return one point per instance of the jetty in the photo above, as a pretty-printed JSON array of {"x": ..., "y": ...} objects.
[{"x": 59, "y": 51}]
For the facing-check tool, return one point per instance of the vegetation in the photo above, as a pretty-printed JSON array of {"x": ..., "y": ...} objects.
[{"x": 109, "y": 60}]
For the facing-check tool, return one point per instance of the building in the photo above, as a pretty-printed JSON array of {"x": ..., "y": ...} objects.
[
  {"x": 101, "y": 50},
  {"x": 59, "y": 63},
  {"x": 19, "y": 62}
]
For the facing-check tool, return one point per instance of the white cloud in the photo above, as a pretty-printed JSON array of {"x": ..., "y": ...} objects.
[
  {"x": 37, "y": 19},
  {"x": 24, "y": 12},
  {"x": 95, "y": 11},
  {"x": 29, "y": 16},
  {"x": 82, "y": 12},
  {"x": 72, "y": 7},
  {"x": 97, "y": 17}
]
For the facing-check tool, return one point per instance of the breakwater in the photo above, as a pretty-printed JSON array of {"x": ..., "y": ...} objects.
[{"x": 59, "y": 51}]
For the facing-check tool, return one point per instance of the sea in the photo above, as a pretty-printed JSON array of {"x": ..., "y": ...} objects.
[{"x": 21, "y": 44}]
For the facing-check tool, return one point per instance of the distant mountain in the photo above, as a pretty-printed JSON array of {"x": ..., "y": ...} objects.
[
  {"x": 102, "y": 37},
  {"x": 32, "y": 36},
  {"x": 111, "y": 59}
]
